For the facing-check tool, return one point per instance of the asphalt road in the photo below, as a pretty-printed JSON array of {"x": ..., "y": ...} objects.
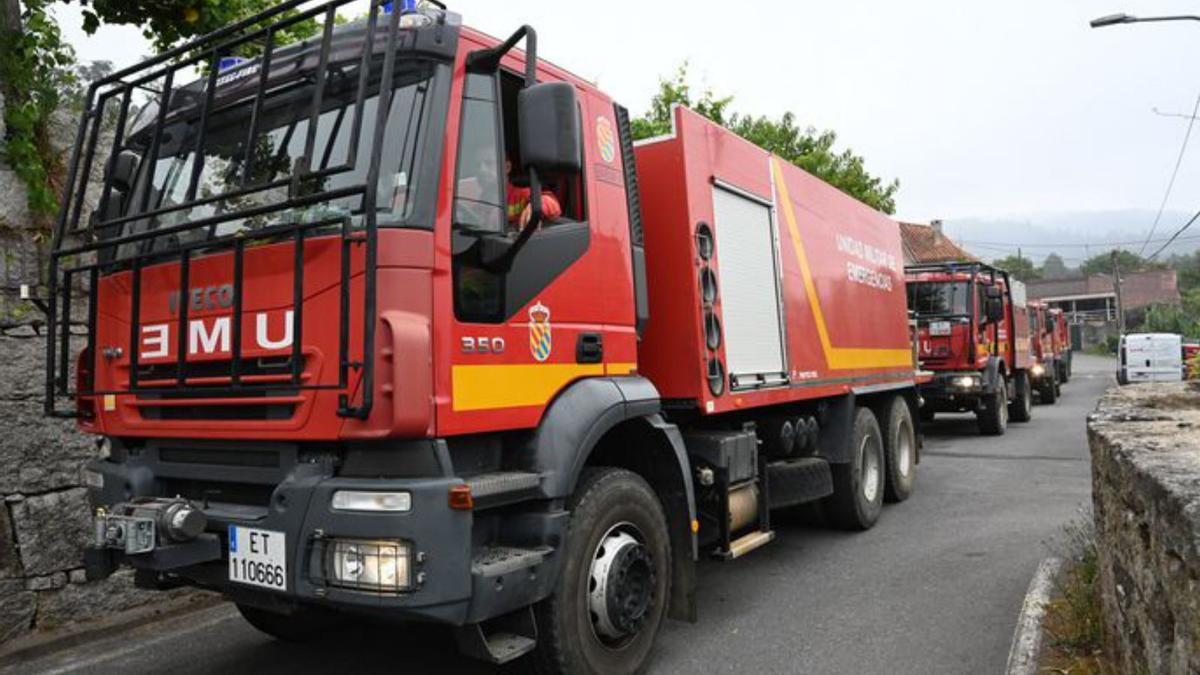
[{"x": 935, "y": 587}]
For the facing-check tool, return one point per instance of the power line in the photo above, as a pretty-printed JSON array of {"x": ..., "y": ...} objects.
[
  {"x": 1174, "y": 236},
  {"x": 1174, "y": 173},
  {"x": 1085, "y": 245}
]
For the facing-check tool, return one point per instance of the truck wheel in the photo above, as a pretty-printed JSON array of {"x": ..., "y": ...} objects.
[
  {"x": 1048, "y": 391},
  {"x": 993, "y": 419},
  {"x": 305, "y": 624},
  {"x": 610, "y": 598},
  {"x": 858, "y": 486},
  {"x": 900, "y": 449},
  {"x": 1021, "y": 408}
]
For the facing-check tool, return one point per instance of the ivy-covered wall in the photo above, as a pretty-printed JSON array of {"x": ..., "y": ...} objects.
[{"x": 44, "y": 516}]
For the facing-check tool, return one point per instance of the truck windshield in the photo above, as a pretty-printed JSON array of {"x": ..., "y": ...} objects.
[
  {"x": 276, "y": 149},
  {"x": 938, "y": 298}
]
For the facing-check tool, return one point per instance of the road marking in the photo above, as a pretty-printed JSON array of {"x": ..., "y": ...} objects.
[
  {"x": 993, "y": 455},
  {"x": 224, "y": 614}
]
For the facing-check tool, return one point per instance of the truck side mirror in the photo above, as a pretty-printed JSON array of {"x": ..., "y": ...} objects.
[
  {"x": 548, "y": 117},
  {"x": 994, "y": 292},
  {"x": 124, "y": 170},
  {"x": 994, "y": 309}
]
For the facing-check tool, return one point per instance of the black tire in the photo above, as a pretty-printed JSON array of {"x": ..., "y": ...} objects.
[
  {"x": 993, "y": 419},
  {"x": 608, "y": 503},
  {"x": 1057, "y": 385},
  {"x": 1021, "y": 408},
  {"x": 900, "y": 451},
  {"x": 858, "y": 486},
  {"x": 1048, "y": 390},
  {"x": 303, "y": 625}
]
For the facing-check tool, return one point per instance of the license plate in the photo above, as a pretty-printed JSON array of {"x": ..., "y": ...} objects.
[
  {"x": 939, "y": 328},
  {"x": 258, "y": 557}
]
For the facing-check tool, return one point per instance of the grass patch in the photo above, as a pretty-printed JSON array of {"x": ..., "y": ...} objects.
[{"x": 1074, "y": 625}]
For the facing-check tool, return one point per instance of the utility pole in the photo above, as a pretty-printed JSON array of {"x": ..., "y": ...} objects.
[{"x": 1117, "y": 287}]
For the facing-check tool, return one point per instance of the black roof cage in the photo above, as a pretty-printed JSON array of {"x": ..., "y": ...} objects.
[
  {"x": 120, "y": 236},
  {"x": 958, "y": 267}
]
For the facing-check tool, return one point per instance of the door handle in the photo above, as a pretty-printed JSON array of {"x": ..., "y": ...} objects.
[{"x": 589, "y": 348}]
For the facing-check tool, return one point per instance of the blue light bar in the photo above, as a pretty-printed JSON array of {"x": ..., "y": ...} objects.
[
  {"x": 228, "y": 62},
  {"x": 406, "y": 7}
]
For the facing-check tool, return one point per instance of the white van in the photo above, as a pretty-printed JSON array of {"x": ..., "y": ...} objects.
[{"x": 1150, "y": 357}]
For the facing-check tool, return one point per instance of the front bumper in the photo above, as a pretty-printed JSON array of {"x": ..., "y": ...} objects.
[
  {"x": 442, "y": 587},
  {"x": 955, "y": 391}
]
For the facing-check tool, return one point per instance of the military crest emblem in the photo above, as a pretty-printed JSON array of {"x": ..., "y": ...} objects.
[{"x": 540, "y": 339}]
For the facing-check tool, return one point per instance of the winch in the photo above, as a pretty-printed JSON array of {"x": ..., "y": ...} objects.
[{"x": 138, "y": 526}]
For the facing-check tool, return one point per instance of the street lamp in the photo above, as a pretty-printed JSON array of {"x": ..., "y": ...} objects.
[{"x": 1114, "y": 19}]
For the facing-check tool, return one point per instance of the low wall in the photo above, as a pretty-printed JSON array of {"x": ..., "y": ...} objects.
[
  {"x": 44, "y": 515},
  {"x": 1145, "y": 443}
]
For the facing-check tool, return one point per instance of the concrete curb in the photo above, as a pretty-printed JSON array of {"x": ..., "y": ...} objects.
[
  {"x": 1027, "y": 638},
  {"x": 37, "y": 645}
]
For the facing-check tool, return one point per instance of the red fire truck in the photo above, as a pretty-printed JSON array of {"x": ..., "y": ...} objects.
[
  {"x": 973, "y": 334},
  {"x": 1043, "y": 374},
  {"x": 1062, "y": 343},
  {"x": 460, "y": 352}
]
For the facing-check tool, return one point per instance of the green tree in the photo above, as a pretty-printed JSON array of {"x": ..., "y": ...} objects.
[
  {"x": 168, "y": 23},
  {"x": 1053, "y": 267},
  {"x": 807, "y": 148},
  {"x": 1170, "y": 319},
  {"x": 38, "y": 73},
  {"x": 36, "y": 68},
  {"x": 1020, "y": 267},
  {"x": 1101, "y": 263}
]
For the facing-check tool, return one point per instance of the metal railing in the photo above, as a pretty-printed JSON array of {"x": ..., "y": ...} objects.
[{"x": 111, "y": 241}]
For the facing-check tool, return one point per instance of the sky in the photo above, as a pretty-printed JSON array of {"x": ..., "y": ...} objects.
[{"x": 1005, "y": 113}]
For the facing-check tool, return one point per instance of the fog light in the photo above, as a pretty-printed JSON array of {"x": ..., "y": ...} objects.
[
  {"x": 381, "y": 566},
  {"x": 351, "y": 500},
  {"x": 966, "y": 382}
]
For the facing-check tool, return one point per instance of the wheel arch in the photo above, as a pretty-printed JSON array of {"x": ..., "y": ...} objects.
[{"x": 616, "y": 421}]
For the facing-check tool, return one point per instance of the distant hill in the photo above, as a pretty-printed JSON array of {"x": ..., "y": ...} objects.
[{"x": 1065, "y": 233}]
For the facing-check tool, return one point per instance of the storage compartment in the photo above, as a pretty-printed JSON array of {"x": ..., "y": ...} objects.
[{"x": 748, "y": 279}]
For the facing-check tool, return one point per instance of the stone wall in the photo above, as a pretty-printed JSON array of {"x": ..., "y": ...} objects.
[
  {"x": 44, "y": 516},
  {"x": 1145, "y": 442}
]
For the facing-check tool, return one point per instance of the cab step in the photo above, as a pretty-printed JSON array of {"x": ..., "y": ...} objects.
[
  {"x": 502, "y": 487},
  {"x": 494, "y": 561},
  {"x": 499, "y": 640},
  {"x": 748, "y": 542}
]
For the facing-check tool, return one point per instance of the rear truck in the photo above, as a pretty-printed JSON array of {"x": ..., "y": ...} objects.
[
  {"x": 1061, "y": 342},
  {"x": 973, "y": 334},
  {"x": 1043, "y": 375},
  {"x": 339, "y": 363}
]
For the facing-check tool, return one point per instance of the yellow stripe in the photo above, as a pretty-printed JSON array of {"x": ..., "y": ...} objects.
[
  {"x": 838, "y": 358},
  {"x": 488, "y": 387},
  {"x": 619, "y": 368},
  {"x": 513, "y": 386}
]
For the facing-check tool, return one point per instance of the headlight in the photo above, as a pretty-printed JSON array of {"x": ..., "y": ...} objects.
[
  {"x": 353, "y": 500},
  {"x": 380, "y": 566},
  {"x": 966, "y": 381},
  {"x": 1038, "y": 370}
]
